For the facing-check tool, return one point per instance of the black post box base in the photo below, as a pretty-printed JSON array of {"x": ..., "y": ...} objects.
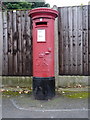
[{"x": 43, "y": 87}]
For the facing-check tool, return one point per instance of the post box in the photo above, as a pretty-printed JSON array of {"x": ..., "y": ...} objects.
[{"x": 43, "y": 52}]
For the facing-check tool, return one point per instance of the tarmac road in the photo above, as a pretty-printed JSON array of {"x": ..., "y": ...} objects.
[{"x": 59, "y": 107}]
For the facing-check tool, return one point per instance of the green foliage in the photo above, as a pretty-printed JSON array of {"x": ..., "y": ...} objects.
[
  {"x": 24, "y": 5},
  {"x": 17, "y": 5},
  {"x": 39, "y": 4}
]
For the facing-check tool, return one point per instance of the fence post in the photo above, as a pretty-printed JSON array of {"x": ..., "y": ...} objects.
[
  {"x": 1, "y": 38},
  {"x": 56, "y": 48},
  {"x": 1, "y": 45},
  {"x": 89, "y": 39}
]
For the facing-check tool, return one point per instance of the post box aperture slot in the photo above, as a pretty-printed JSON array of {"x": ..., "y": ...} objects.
[
  {"x": 41, "y": 23},
  {"x": 41, "y": 35}
]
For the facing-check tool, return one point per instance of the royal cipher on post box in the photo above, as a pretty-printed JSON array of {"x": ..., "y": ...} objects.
[{"x": 43, "y": 52}]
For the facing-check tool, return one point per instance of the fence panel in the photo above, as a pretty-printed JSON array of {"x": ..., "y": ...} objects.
[
  {"x": 17, "y": 58},
  {"x": 73, "y": 40}
]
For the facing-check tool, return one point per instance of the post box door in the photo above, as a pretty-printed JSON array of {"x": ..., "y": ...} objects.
[{"x": 43, "y": 50}]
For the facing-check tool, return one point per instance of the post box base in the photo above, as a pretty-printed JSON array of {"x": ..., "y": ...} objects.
[{"x": 43, "y": 87}]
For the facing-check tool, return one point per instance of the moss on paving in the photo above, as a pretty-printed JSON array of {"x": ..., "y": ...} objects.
[
  {"x": 74, "y": 94},
  {"x": 10, "y": 93},
  {"x": 69, "y": 94},
  {"x": 80, "y": 95}
]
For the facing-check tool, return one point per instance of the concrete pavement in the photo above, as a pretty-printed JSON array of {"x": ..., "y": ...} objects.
[{"x": 25, "y": 106}]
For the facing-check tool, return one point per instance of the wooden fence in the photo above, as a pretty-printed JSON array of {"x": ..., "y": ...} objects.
[
  {"x": 74, "y": 40},
  {"x": 17, "y": 57},
  {"x": 89, "y": 39}
]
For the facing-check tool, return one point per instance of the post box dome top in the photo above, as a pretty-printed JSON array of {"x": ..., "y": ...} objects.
[{"x": 43, "y": 12}]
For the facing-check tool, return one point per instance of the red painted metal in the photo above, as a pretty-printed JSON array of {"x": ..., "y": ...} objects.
[{"x": 43, "y": 41}]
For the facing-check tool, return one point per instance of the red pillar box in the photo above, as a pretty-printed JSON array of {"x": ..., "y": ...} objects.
[{"x": 43, "y": 52}]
